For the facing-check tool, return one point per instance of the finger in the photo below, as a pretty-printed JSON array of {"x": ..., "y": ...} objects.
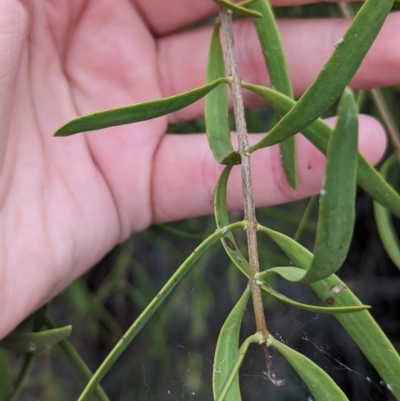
[
  {"x": 308, "y": 45},
  {"x": 182, "y": 12},
  {"x": 185, "y": 173},
  {"x": 13, "y": 32}
]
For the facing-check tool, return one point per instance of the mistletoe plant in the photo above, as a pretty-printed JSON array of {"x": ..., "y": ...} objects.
[{"x": 344, "y": 170}]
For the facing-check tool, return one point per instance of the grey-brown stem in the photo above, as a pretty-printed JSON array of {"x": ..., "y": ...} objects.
[{"x": 249, "y": 210}]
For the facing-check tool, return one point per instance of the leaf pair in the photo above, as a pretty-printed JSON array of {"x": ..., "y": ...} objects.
[
  {"x": 216, "y": 105},
  {"x": 242, "y": 264},
  {"x": 336, "y": 213}
]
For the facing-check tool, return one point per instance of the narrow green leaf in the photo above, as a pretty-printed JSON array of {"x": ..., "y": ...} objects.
[
  {"x": 35, "y": 341},
  {"x": 274, "y": 57},
  {"x": 295, "y": 274},
  {"x": 137, "y": 112},
  {"x": 335, "y": 75},
  {"x": 318, "y": 133},
  {"x": 233, "y": 373},
  {"x": 320, "y": 384},
  {"x": 384, "y": 222},
  {"x": 238, "y": 8},
  {"x": 272, "y": 49},
  {"x": 336, "y": 211},
  {"x": 153, "y": 306},
  {"x": 226, "y": 350},
  {"x": 360, "y": 326},
  {"x": 222, "y": 220},
  {"x": 216, "y": 107},
  {"x": 5, "y": 377},
  {"x": 288, "y": 157}
]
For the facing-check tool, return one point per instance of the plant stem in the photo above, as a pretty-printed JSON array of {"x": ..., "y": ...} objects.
[{"x": 249, "y": 210}]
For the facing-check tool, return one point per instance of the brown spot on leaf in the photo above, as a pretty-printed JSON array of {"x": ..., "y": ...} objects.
[{"x": 229, "y": 243}]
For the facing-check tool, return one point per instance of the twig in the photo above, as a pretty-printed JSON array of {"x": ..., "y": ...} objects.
[{"x": 249, "y": 210}]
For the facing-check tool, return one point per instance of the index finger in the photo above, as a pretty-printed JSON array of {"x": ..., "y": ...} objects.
[{"x": 164, "y": 16}]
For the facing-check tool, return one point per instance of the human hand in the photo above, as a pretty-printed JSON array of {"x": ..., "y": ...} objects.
[{"x": 65, "y": 202}]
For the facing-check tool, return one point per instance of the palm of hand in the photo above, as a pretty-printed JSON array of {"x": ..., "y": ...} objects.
[{"x": 68, "y": 200}]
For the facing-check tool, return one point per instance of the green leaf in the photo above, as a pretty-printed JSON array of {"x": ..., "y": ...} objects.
[
  {"x": 137, "y": 112},
  {"x": 151, "y": 308},
  {"x": 318, "y": 133},
  {"x": 360, "y": 326},
  {"x": 320, "y": 384},
  {"x": 226, "y": 350},
  {"x": 5, "y": 377},
  {"x": 274, "y": 57},
  {"x": 34, "y": 341},
  {"x": 336, "y": 211},
  {"x": 335, "y": 75},
  {"x": 272, "y": 49},
  {"x": 238, "y": 8},
  {"x": 216, "y": 106},
  {"x": 384, "y": 222},
  {"x": 222, "y": 220},
  {"x": 288, "y": 157},
  {"x": 233, "y": 372}
]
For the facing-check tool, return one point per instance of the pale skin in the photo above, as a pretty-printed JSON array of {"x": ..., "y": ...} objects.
[{"x": 65, "y": 202}]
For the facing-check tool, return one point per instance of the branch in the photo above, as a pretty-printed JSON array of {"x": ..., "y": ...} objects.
[{"x": 249, "y": 210}]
